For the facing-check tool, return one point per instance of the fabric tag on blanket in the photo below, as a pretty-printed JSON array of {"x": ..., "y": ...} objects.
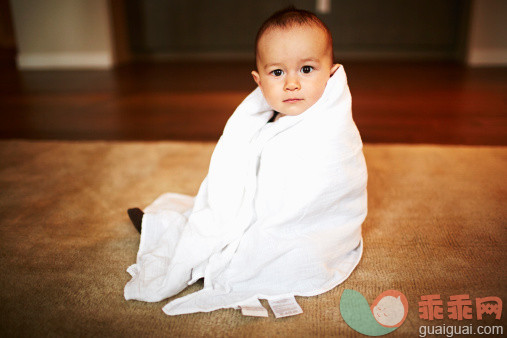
[
  {"x": 284, "y": 307},
  {"x": 254, "y": 308}
]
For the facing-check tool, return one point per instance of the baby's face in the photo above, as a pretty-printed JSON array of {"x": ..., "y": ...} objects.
[{"x": 293, "y": 65}]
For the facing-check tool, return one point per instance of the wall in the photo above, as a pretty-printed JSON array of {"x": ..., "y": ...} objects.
[
  {"x": 366, "y": 29},
  {"x": 487, "y": 43},
  {"x": 7, "y": 40},
  {"x": 93, "y": 33},
  {"x": 62, "y": 33}
]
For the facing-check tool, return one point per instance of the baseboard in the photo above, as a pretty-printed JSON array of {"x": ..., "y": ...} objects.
[
  {"x": 86, "y": 60},
  {"x": 487, "y": 57}
]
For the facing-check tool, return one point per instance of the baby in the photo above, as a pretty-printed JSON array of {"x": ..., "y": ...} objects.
[{"x": 279, "y": 213}]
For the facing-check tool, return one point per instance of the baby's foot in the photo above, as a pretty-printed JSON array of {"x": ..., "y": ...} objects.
[{"x": 136, "y": 216}]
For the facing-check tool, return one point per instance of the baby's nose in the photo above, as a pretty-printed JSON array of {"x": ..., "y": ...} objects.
[{"x": 292, "y": 83}]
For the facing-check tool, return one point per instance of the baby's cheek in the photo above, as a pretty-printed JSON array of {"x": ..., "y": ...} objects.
[
  {"x": 271, "y": 93},
  {"x": 318, "y": 91}
]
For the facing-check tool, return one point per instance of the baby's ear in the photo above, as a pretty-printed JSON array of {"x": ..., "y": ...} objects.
[
  {"x": 334, "y": 68},
  {"x": 256, "y": 77}
]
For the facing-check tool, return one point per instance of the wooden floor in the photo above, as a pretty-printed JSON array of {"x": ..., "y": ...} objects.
[{"x": 439, "y": 103}]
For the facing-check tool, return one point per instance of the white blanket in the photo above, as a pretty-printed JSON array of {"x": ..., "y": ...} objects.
[{"x": 279, "y": 213}]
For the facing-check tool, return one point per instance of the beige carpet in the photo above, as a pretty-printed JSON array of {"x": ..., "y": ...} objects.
[{"x": 436, "y": 225}]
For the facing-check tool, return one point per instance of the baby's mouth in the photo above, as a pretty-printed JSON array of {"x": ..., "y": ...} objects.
[{"x": 292, "y": 100}]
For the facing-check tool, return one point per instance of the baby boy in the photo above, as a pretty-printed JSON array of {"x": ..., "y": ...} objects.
[{"x": 280, "y": 210}]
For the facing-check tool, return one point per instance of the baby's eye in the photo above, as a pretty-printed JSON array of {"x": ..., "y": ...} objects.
[
  {"x": 307, "y": 69},
  {"x": 277, "y": 72}
]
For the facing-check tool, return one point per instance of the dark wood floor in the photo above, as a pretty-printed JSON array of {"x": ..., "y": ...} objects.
[{"x": 392, "y": 102}]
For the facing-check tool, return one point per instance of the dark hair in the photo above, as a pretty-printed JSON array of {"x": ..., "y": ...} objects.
[{"x": 289, "y": 17}]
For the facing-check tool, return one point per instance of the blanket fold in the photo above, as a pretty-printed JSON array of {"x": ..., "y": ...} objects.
[{"x": 279, "y": 212}]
